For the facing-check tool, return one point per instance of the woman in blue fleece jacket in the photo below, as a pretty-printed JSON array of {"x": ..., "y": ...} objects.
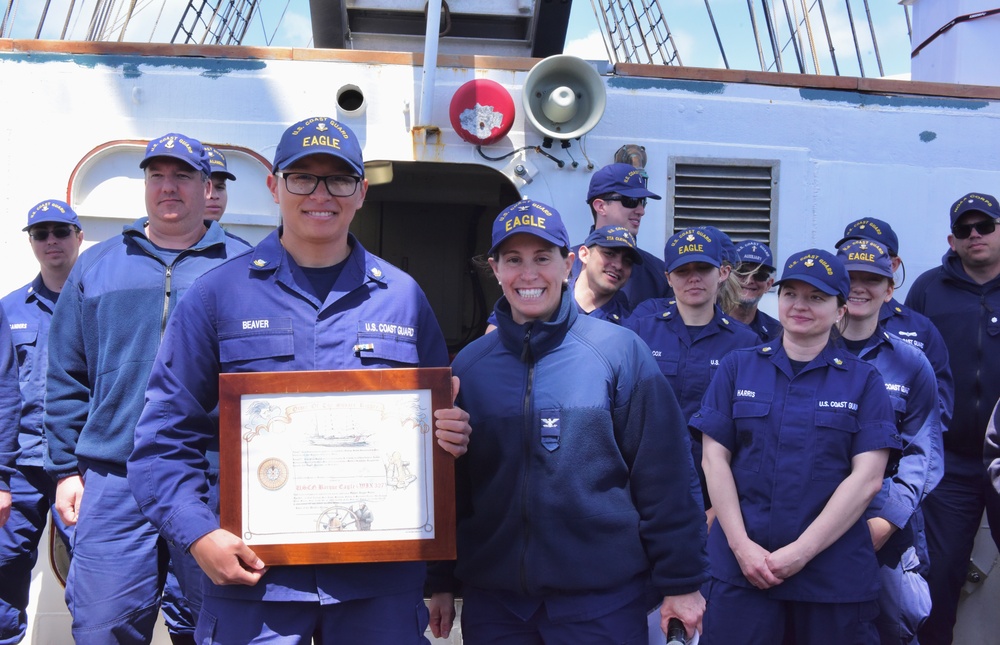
[{"x": 575, "y": 497}]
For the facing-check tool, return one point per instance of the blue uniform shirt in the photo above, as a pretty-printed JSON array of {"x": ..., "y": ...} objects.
[
  {"x": 29, "y": 310},
  {"x": 253, "y": 314},
  {"x": 914, "y": 472},
  {"x": 688, "y": 363},
  {"x": 792, "y": 438},
  {"x": 10, "y": 404},
  {"x": 918, "y": 330},
  {"x": 766, "y": 327}
]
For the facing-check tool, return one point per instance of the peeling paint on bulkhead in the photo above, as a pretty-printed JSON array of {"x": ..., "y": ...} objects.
[
  {"x": 634, "y": 83},
  {"x": 895, "y": 101},
  {"x": 132, "y": 66},
  {"x": 927, "y": 136}
]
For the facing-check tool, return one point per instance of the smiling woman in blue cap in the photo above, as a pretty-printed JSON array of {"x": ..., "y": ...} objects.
[
  {"x": 894, "y": 517},
  {"x": 574, "y": 500},
  {"x": 796, "y": 439}
]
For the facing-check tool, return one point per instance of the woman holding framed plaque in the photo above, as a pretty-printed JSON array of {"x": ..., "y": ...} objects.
[{"x": 575, "y": 498}]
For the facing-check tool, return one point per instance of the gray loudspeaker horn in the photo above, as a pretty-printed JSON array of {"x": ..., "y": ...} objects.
[{"x": 564, "y": 97}]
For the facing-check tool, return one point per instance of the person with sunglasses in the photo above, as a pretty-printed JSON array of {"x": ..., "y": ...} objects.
[
  {"x": 308, "y": 297},
  {"x": 894, "y": 517},
  {"x": 755, "y": 272},
  {"x": 105, "y": 330},
  {"x": 962, "y": 299},
  {"x": 55, "y": 236},
  {"x": 617, "y": 197}
]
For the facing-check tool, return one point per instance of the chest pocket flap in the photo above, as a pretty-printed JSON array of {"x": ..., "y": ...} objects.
[
  {"x": 247, "y": 340},
  {"x": 397, "y": 345}
]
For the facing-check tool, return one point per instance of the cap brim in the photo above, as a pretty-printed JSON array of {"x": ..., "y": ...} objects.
[
  {"x": 508, "y": 235},
  {"x": 638, "y": 193},
  {"x": 815, "y": 282},
  {"x": 285, "y": 163},
  {"x": 694, "y": 257},
  {"x": 228, "y": 175},
  {"x": 158, "y": 155},
  {"x": 866, "y": 268}
]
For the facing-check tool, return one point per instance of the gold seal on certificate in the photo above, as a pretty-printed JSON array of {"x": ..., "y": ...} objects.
[{"x": 272, "y": 474}]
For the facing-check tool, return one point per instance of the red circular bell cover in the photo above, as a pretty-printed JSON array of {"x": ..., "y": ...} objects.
[{"x": 482, "y": 111}]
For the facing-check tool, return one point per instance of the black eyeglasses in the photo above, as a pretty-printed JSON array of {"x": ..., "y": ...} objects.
[
  {"x": 302, "y": 183},
  {"x": 963, "y": 231},
  {"x": 42, "y": 234},
  {"x": 756, "y": 272},
  {"x": 627, "y": 202}
]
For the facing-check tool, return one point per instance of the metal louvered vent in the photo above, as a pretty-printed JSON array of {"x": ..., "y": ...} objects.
[{"x": 736, "y": 196}]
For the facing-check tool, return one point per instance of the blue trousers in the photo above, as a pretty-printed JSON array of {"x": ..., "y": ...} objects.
[
  {"x": 904, "y": 601},
  {"x": 32, "y": 495},
  {"x": 399, "y": 619},
  {"x": 487, "y": 620},
  {"x": 952, "y": 514},
  {"x": 118, "y": 566},
  {"x": 741, "y": 616}
]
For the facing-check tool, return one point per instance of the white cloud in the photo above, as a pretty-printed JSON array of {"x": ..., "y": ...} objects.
[{"x": 589, "y": 47}]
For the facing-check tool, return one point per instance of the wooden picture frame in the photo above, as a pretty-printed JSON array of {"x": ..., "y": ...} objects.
[{"x": 332, "y": 467}]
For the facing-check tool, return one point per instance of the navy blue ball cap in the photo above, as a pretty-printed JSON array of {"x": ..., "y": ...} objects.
[
  {"x": 619, "y": 179},
  {"x": 614, "y": 237},
  {"x": 319, "y": 135},
  {"x": 754, "y": 252},
  {"x": 692, "y": 245},
  {"x": 178, "y": 146},
  {"x": 534, "y": 218},
  {"x": 217, "y": 162},
  {"x": 52, "y": 211},
  {"x": 820, "y": 269},
  {"x": 869, "y": 228},
  {"x": 866, "y": 255},
  {"x": 726, "y": 242},
  {"x": 975, "y": 202}
]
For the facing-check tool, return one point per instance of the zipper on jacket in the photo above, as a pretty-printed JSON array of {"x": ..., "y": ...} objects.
[
  {"x": 166, "y": 303},
  {"x": 525, "y": 518}
]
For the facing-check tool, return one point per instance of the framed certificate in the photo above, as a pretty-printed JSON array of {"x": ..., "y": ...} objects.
[{"x": 339, "y": 466}]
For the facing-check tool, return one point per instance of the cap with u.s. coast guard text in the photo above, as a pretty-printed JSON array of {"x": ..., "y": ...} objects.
[
  {"x": 621, "y": 179},
  {"x": 217, "y": 162},
  {"x": 820, "y": 269},
  {"x": 866, "y": 255},
  {"x": 319, "y": 135},
  {"x": 975, "y": 202},
  {"x": 728, "y": 253},
  {"x": 870, "y": 228},
  {"x": 614, "y": 237},
  {"x": 52, "y": 211},
  {"x": 754, "y": 252},
  {"x": 178, "y": 146},
  {"x": 534, "y": 218},
  {"x": 692, "y": 245}
]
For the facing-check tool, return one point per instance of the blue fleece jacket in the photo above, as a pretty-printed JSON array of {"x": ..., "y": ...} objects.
[
  {"x": 968, "y": 316},
  {"x": 103, "y": 338},
  {"x": 578, "y": 478}
]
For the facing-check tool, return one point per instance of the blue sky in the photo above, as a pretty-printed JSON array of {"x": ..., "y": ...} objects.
[{"x": 286, "y": 23}]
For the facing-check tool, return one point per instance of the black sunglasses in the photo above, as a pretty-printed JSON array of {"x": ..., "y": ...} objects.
[
  {"x": 963, "y": 231},
  {"x": 627, "y": 202},
  {"x": 757, "y": 273},
  {"x": 60, "y": 232}
]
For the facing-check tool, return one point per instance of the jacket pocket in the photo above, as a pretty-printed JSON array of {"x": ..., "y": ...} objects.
[
  {"x": 25, "y": 342},
  {"x": 749, "y": 417},
  {"x": 835, "y": 432},
  {"x": 385, "y": 349},
  {"x": 252, "y": 347}
]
